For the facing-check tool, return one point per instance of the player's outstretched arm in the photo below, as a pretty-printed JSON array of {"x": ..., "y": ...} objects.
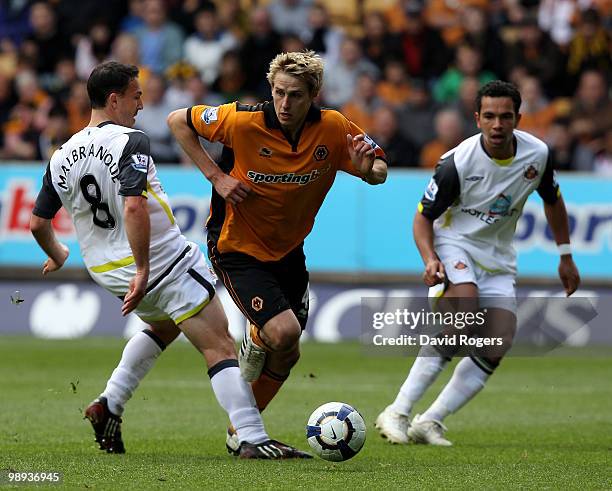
[
  {"x": 228, "y": 188},
  {"x": 138, "y": 229},
  {"x": 556, "y": 216},
  {"x": 43, "y": 233},
  {"x": 422, "y": 229},
  {"x": 363, "y": 157}
]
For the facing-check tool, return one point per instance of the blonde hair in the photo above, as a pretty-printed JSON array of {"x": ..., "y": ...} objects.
[{"x": 305, "y": 65}]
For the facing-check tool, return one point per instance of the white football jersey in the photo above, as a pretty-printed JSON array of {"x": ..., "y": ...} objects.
[
  {"x": 477, "y": 201},
  {"x": 90, "y": 175}
]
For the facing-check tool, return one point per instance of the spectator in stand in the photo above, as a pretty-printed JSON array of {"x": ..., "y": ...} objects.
[
  {"x": 537, "y": 52},
  {"x": 468, "y": 63},
  {"x": 363, "y": 103},
  {"x": 21, "y": 135},
  {"x": 234, "y": 18},
  {"x": 465, "y": 105},
  {"x": 183, "y": 13},
  {"x": 93, "y": 49},
  {"x": 55, "y": 133},
  {"x": 58, "y": 86},
  {"x": 400, "y": 151},
  {"x": 160, "y": 41},
  {"x": 231, "y": 82},
  {"x": 445, "y": 16},
  {"x": 591, "y": 112},
  {"x": 290, "y": 16},
  {"x": 480, "y": 35},
  {"x": 126, "y": 50},
  {"x": 590, "y": 48},
  {"x": 423, "y": 49},
  {"x": 8, "y": 99},
  {"x": 206, "y": 46},
  {"x": 555, "y": 17},
  {"x": 200, "y": 94},
  {"x": 378, "y": 44},
  {"x": 78, "y": 107},
  {"x": 135, "y": 17},
  {"x": 323, "y": 37},
  {"x": 46, "y": 45},
  {"x": 341, "y": 78},
  {"x": 8, "y": 96},
  {"x": 31, "y": 94},
  {"x": 416, "y": 119},
  {"x": 602, "y": 164},
  {"x": 261, "y": 45},
  {"x": 394, "y": 89},
  {"x": 177, "y": 92},
  {"x": 152, "y": 120},
  {"x": 565, "y": 150},
  {"x": 14, "y": 21},
  {"x": 396, "y": 15},
  {"x": 291, "y": 43},
  {"x": 537, "y": 112},
  {"x": 449, "y": 133},
  {"x": 9, "y": 57}
]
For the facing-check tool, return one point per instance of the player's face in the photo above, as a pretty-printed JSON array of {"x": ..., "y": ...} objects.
[
  {"x": 497, "y": 120},
  {"x": 292, "y": 100},
  {"x": 128, "y": 104}
]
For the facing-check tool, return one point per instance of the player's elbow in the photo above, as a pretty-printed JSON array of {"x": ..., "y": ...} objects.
[
  {"x": 38, "y": 224},
  {"x": 176, "y": 119},
  {"x": 135, "y": 205}
]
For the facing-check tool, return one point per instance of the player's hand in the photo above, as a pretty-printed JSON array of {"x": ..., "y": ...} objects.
[
  {"x": 434, "y": 272},
  {"x": 136, "y": 292},
  {"x": 51, "y": 265},
  {"x": 231, "y": 190},
  {"x": 568, "y": 272},
  {"x": 362, "y": 154}
]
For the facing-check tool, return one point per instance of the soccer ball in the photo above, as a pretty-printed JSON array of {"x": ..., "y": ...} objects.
[{"x": 336, "y": 431}]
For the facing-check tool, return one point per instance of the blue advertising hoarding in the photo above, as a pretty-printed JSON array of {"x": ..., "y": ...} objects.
[{"x": 359, "y": 229}]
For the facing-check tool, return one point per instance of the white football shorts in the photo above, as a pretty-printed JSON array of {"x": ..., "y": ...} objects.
[
  {"x": 182, "y": 290},
  {"x": 494, "y": 290}
]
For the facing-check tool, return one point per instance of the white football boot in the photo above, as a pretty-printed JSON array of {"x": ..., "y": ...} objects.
[
  {"x": 393, "y": 426},
  {"x": 252, "y": 358},
  {"x": 430, "y": 432},
  {"x": 231, "y": 441}
]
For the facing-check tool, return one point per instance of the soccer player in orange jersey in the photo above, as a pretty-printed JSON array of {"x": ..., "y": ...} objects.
[{"x": 279, "y": 161}]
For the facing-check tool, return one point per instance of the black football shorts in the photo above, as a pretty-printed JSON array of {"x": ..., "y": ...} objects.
[{"x": 262, "y": 290}]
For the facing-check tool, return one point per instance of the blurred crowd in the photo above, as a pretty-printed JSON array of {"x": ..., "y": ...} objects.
[{"x": 406, "y": 71}]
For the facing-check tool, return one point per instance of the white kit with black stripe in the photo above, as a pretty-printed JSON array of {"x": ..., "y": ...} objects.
[
  {"x": 90, "y": 175},
  {"x": 476, "y": 201}
]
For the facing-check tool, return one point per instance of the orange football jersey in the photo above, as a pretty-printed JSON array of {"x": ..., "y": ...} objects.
[{"x": 288, "y": 179}]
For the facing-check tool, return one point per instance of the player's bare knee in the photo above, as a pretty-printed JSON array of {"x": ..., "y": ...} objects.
[
  {"x": 282, "y": 334},
  {"x": 166, "y": 331}
]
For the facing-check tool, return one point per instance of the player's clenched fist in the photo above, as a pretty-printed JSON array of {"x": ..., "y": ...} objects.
[
  {"x": 361, "y": 152},
  {"x": 434, "y": 272},
  {"x": 231, "y": 190}
]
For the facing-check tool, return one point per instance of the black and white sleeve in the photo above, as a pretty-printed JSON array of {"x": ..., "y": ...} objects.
[
  {"x": 134, "y": 164},
  {"x": 48, "y": 201},
  {"x": 442, "y": 190},
  {"x": 549, "y": 188}
]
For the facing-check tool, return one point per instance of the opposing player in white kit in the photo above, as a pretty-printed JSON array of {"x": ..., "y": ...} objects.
[
  {"x": 105, "y": 178},
  {"x": 464, "y": 229}
]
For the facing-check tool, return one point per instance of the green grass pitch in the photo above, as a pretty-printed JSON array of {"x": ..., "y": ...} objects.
[{"x": 540, "y": 423}]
